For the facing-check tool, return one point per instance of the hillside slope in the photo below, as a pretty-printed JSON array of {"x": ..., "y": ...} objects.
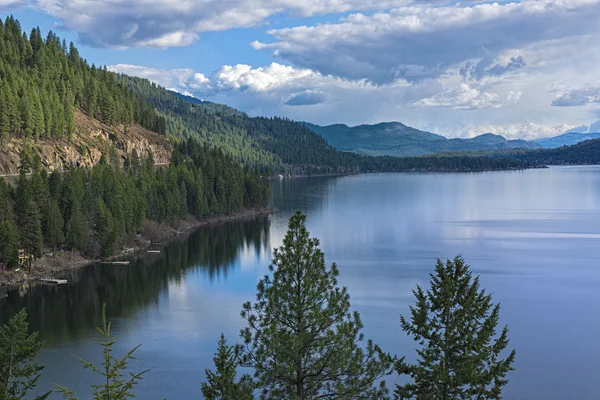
[
  {"x": 583, "y": 153},
  {"x": 48, "y": 92},
  {"x": 91, "y": 139},
  {"x": 399, "y": 140},
  {"x": 566, "y": 139}
]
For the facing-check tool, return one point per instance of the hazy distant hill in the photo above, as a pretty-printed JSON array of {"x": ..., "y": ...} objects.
[
  {"x": 586, "y": 152},
  {"x": 566, "y": 139},
  {"x": 397, "y": 139}
]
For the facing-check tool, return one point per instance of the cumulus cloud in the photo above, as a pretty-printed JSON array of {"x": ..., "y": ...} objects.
[
  {"x": 594, "y": 126},
  {"x": 465, "y": 97},
  {"x": 578, "y": 96},
  {"x": 445, "y": 106},
  {"x": 244, "y": 77},
  {"x": 430, "y": 39},
  {"x": 183, "y": 81},
  {"x": 487, "y": 68},
  {"x": 530, "y": 131},
  {"x": 307, "y": 98},
  {"x": 165, "y": 23}
]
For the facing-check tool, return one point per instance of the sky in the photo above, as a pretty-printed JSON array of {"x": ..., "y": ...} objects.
[{"x": 525, "y": 69}]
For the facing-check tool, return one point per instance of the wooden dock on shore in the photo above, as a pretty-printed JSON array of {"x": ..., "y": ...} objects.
[{"x": 53, "y": 281}]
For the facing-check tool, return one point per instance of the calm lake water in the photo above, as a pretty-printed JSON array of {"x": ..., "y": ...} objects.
[{"x": 533, "y": 236}]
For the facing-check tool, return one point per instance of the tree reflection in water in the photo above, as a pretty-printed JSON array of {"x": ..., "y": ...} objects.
[{"x": 59, "y": 312}]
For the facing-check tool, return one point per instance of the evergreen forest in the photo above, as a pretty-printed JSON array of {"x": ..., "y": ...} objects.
[
  {"x": 99, "y": 210},
  {"x": 43, "y": 79}
]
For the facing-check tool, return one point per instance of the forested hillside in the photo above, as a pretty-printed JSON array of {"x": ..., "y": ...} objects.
[
  {"x": 586, "y": 152},
  {"x": 283, "y": 145},
  {"x": 43, "y": 80},
  {"x": 98, "y": 210},
  {"x": 275, "y": 143},
  {"x": 567, "y": 139}
]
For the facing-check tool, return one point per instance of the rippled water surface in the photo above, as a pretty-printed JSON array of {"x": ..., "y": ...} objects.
[{"x": 533, "y": 236}]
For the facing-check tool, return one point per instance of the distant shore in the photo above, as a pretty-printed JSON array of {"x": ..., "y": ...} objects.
[{"x": 49, "y": 266}]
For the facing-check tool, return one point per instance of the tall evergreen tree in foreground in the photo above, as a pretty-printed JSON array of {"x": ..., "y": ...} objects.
[
  {"x": 221, "y": 384},
  {"x": 302, "y": 340},
  {"x": 459, "y": 355},
  {"x": 19, "y": 370},
  {"x": 114, "y": 386}
]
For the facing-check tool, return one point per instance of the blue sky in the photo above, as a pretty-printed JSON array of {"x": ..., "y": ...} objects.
[{"x": 521, "y": 69}]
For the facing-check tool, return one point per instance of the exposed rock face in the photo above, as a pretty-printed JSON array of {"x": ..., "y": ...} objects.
[{"x": 91, "y": 139}]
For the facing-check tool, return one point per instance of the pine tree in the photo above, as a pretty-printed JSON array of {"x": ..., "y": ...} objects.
[
  {"x": 105, "y": 227},
  {"x": 302, "y": 340},
  {"x": 31, "y": 231},
  {"x": 221, "y": 384},
  {"x": 54, "y": 225},
  {"x": 4, "y": 113},
  {"x": 454, "y": 323},
  {"x": 113, "y": 386},
  {"x": 75, "y": 228},
  {"x": 9, "y": 240},
  {"x": 19, "y": 370}
]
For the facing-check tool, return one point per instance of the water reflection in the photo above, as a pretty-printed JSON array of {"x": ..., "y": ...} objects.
[
  {"x": 62, "y": 312},
  {"x": 533, "y": 237}
]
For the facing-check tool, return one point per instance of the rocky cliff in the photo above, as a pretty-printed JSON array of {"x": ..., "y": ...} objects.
[{"x": 91, "y": 139}]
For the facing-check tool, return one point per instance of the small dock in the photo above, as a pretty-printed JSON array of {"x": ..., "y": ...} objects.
[
  {"x": 116, "y": 262},
  {"x": 154, "y": 251},
  {"x": 53, "y": 281}
]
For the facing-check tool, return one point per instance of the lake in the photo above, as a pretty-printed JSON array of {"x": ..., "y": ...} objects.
[{"x": 533, "y": 237}]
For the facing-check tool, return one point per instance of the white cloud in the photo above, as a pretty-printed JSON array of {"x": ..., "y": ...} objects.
[
  {"x": 244, "y": 77},
  {"x": 488, "y": 67},
  {"x": 181, "y": 80},
  {"x": 460, "y": 69},
  {"x": 307, "y": 98},
  {"x": 528, "y": 131},
  {"x": 432, "y": 39},
  {"x": 279, "y": 90},
  {"x": 241, "y": 78},
  {"x": 164, "y": 23},
  {"x": 465, "y": 97},
  {"x": 171, "y": 39},
  {"x": 577, "y": 96}
]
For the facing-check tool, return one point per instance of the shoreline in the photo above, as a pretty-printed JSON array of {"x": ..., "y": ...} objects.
[{"x": 49, "y": 267}]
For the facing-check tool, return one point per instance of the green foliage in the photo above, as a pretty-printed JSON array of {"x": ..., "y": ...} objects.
[
  {"x": 221, "y": 384},
  {"x": 586, "y": 152},
  {"x": 115, "y": 385},
  {"x": 19, "y": 370},
  {"x": 75, "y": 228},
  {"x": 302, "y": 340},
  {"x": 454, "y": 323},
  {"x": 9, "y": 240},
  {"x": 281, "y": 145},
  {"x": 41, "y": 83},
  {"x": 104, "y": 206},
  {"x": 31, "y": 230},
  {"x": 54, "y": 225}
]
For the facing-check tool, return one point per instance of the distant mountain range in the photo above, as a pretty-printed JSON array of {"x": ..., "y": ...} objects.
[
  {"x": 566, "y": 139},
  {"x": 397, "y": 139}
]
